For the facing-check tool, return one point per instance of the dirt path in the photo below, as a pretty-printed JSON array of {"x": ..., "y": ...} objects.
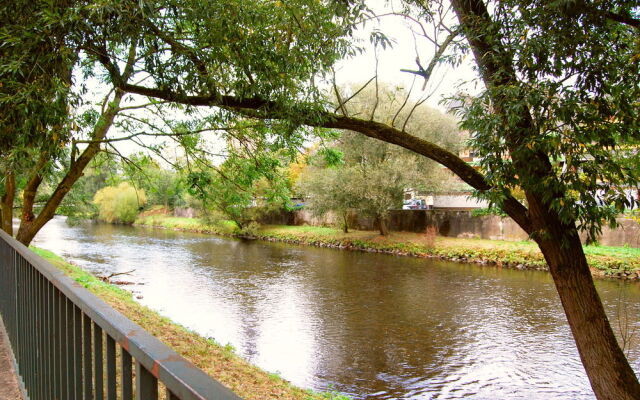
[{"x": 9, "y": 389}]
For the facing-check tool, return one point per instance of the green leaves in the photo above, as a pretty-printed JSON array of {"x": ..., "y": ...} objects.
[{"x": 577, "y": 82}]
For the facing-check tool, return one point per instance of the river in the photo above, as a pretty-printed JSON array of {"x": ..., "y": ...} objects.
[{"x": 372, "y": 326}]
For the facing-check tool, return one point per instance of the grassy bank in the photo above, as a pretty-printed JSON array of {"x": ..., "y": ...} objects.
[
  {"x": 219, "y": 361},
  {"x": 604, "y": 260}
]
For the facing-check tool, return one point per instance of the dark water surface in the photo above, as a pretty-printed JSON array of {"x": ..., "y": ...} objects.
[{"x": 370, "y": 325}]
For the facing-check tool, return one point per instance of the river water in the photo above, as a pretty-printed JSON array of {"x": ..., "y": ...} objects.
[{"x": 370, "y": 325}]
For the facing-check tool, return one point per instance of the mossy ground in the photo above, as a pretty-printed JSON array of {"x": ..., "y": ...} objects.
[
  {"x": 218, "y": 361},
  {"x": 604, "y": 260}
]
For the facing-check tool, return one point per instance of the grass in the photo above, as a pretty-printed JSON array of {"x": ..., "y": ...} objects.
[
  {"x": 220, "y": 362},
  {"x": 604, "y": 260},
  {"x": 188, "y": 224}
]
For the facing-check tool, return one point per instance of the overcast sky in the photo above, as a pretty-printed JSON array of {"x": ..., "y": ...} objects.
[{"x": 445, "y": 81}]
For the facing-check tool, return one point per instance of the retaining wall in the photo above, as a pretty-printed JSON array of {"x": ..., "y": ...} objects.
[{"x": 453, "y": 223}]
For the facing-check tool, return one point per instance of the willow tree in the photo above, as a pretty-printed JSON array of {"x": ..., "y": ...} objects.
[
  {"x": 35, "y": 74},
  {"x": 558, "y": 113}
]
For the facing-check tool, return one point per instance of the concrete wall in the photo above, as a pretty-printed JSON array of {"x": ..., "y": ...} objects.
[
  {"x": 628, "y": 233},
  {"x": 458, "y": 201},
  {"x": 452, "y": 223},
  {"x": 185, "y": 212}
]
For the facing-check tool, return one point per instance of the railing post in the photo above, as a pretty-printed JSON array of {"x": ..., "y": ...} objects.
[
  {"x": 146, "y": 384},
  {"x": 127, "y": 373},
  {"x": 112, "y": 392},
  {"x": 98, "y": 364}
]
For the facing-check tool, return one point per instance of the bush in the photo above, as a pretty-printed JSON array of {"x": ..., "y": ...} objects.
[{"x": 119, "y": 204}]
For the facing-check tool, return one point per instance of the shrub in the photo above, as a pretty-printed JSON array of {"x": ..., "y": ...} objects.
[{"x": 119, "y": 204}]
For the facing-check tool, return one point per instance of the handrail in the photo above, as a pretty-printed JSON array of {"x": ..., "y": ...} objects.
[{"x": 57, "y": 329}]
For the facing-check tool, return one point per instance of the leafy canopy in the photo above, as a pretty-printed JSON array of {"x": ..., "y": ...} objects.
[{"x": 573, "y": 64}]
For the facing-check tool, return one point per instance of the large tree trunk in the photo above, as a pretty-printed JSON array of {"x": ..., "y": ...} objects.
[
  {"x": 7, "y": 203},
  {"x": 609, "y": 372}
]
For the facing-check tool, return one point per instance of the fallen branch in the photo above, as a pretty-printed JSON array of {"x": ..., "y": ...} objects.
[{"x": 108, "y": 277}]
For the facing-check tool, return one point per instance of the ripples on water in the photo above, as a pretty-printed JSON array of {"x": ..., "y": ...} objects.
[{"x": 370, "y": 325}]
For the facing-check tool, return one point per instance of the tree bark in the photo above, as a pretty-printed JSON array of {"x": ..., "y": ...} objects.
[
  {"x": 31, "y": 225},
  {"x": 382, "y": 225},
  {"x": 345, "y": 223},
  {"x": 609, "y": 372},
  {"x": 30, "y": 191},
  {"x": 7, "y": 203}
]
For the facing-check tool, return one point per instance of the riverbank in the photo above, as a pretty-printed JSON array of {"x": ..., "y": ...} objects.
[
  {"x": 220, "y": 362},
  {"x": 605, "y": 261}
]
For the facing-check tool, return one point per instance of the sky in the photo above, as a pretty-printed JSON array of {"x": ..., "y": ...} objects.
[{"x": 445, "y": 81}]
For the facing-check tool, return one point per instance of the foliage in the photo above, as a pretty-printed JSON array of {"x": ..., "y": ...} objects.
[
  {"x": 329, "y": 189},
  {"x": 162, "y": 186},
  {"x": 252, "y": 179},
  {"x": 573, "y": 68},
  {"x": 35, "y": 76},
  {"x": 120, "y": 203},
  {"x": 369, "y": 175},
  {"x": 78, "y": 204}
]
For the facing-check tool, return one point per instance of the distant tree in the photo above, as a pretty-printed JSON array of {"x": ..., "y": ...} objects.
[
  {"x": 372, "y": 176},
  {"x": 251, "y": 180},
  {"x": 330, "y": 189},
  {"x": 164, "y": 187}
]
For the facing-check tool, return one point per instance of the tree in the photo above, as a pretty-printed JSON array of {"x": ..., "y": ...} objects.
[
  {"x": 373, "y": 175},
  {"x": 78, "y": 204},
  {"x": 45, "y": 130},
  {"x": 559, "y": 80},
  {"x": 45, "y": 126},
  {"x": 119, "y": 204},
  {"x": 330, "y": 189},
  {"x": 162, "y": 186},
  {"x": 571, "y": 102},
  {"x": 251, "y": 180}
]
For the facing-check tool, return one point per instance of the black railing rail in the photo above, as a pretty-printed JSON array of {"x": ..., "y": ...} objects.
[{"x": 70, "y": 345}]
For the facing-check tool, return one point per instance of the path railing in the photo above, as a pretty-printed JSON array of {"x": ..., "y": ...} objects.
[{"x": 68, "y": 344}]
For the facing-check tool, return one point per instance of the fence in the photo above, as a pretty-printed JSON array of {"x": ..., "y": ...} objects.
[{"x": 68, "y": 344}]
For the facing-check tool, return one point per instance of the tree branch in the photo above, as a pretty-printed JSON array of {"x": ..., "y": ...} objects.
[
  {"x": 259, "y": 108},
  {"x": 426, "y": 72}
]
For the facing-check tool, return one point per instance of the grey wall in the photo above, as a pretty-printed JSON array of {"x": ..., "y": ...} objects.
[{"x": 457, "y": 224}]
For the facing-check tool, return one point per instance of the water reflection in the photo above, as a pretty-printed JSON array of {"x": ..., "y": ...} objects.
[{"x": 374, "y": 326}]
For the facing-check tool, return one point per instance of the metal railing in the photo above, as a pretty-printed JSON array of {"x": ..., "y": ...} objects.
[{"x": 68, "y": 344}]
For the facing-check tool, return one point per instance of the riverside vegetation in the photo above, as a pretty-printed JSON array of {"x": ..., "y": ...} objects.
[{"x": 621, "y": 262}]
